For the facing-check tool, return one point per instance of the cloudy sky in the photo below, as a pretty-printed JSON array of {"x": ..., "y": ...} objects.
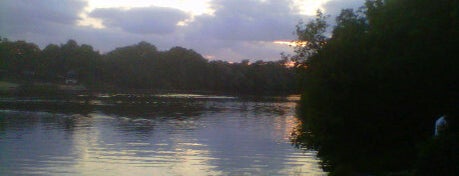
[{"x": 229, "y": 30}]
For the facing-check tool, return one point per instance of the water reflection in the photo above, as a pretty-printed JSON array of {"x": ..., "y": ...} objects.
[{"x": 192, "y": 135}]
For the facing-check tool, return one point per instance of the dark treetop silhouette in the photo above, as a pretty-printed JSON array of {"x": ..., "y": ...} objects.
[
  {"x": 373, "y": 90},
  {"x": 139, "y": 66}
]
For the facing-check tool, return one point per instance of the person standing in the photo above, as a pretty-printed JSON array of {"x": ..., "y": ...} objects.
[{"x": 441, "y": 124}]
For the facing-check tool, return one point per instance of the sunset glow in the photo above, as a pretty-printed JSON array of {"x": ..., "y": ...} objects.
[{"x": 289, "y": 43}]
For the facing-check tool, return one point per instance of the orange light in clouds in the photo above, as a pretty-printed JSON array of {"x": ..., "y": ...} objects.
[
  {"x": 284, "y": 43},
  {"x": 289, "y": 43},
  {"x": 289, "y": 64},
  {"x": 209, "y": 57}
]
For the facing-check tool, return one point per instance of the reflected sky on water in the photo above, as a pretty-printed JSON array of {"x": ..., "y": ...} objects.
[{"x": 170, "y": 135}]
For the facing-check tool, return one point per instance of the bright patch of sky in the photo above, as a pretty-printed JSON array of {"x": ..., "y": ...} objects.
[
  {"x": 193, "y": 7},
  {"x": 196, "y": 7},
  {"x": 309, "y": 7}
]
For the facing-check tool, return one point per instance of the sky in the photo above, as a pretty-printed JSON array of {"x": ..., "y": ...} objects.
[{"x": 231, "y": 30}]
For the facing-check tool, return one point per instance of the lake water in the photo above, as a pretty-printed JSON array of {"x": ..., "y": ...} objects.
[{"x": 170, "y": 134}]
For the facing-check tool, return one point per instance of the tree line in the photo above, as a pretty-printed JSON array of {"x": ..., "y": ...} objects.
[
  {"x": 141, "y": 66},
  {"x": 374, "y": 87}
]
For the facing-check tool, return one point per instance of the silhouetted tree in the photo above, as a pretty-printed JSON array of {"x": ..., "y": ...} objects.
[{"x": 373, "y": 90}]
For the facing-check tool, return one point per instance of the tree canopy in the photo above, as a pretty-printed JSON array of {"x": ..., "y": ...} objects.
[
  {"x": 373, "y": 90},
  {"x": 141, "y": 66}
]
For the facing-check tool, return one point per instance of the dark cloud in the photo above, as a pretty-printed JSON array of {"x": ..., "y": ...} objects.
[
  {"x": 32, "y": 16},
  {"x": 249, "y": 20},
  {"x": 149, "y": 20},
  {"x": 244, "y": 29}
]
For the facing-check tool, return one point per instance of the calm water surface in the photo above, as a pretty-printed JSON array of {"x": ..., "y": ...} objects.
[{"x": 171, "y": 134}]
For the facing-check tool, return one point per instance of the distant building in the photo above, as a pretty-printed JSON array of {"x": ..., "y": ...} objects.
[{"x": 71, "y": 78}]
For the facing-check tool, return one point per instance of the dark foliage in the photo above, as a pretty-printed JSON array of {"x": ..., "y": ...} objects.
[
  {"x": 374, "y": 89},
  {"x": 139, "y": 67}
]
